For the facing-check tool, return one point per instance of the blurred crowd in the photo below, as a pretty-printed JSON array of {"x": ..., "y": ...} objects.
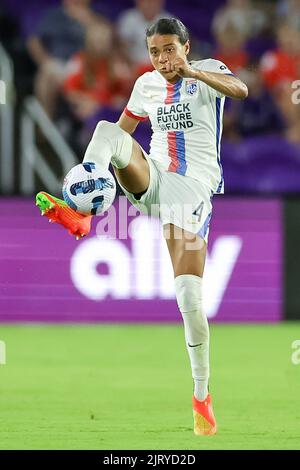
[
  {"x": 85, "y": 63},
  {"x": 260, "y": 42}
]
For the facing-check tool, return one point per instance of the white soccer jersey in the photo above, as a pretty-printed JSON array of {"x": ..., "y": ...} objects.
[{"x": 186, "y": 120}]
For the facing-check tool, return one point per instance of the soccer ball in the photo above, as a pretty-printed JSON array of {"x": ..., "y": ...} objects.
[{"x": 89, "y": 189}]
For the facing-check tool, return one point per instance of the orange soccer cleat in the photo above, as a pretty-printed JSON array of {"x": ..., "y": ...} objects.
[
  {"x": 58, "y": 211},
  {"x": 204, "y": 419}
]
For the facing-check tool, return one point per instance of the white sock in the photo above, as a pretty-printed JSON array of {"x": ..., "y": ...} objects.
[
  {"x": 189, "y": 298},
  {"x": 109, "y": 144}
]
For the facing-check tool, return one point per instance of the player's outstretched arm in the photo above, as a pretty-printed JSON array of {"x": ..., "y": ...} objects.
[{"x": 228, "y": 85}]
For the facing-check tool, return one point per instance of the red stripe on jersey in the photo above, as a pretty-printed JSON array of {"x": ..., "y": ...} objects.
[
  {"x": 172, "y": 152},
  {"x": 130, "y": 114},
  {"x": 170, "y": 94}
]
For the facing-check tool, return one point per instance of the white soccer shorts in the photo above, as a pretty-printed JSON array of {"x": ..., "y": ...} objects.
[{"x": 175, "y": 199}]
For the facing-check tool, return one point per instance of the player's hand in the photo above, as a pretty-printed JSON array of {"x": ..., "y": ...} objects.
[{"x": 181, "y": 67}]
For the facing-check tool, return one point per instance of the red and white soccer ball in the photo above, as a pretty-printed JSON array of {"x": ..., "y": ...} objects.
[{"x": 89, "y": 189}]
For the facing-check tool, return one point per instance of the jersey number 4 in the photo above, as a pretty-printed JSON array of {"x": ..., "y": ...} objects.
[{"x": 198, "y": 211}]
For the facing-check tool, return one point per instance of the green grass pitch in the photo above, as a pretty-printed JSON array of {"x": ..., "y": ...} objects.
[{"x": 129, "y": 387}]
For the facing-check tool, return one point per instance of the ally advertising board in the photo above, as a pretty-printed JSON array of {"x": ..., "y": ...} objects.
[{"x": 47, "y": 276}]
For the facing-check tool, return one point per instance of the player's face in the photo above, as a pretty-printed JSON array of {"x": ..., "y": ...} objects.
[{"x": 166, "y": 48}]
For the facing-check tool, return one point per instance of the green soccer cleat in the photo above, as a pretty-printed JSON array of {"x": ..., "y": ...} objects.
[{"x": 58, "y": 211}]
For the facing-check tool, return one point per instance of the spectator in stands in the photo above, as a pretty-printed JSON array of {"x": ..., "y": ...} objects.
[
  {"x": 97, "y": 75},
  {"x": 255, "y": 116},
  {"x": 280, "y": 68},
  {"x": 131, "y": 27},
  {"x": 59, "y": 35},
  {"x": 242, "y": 16},
  {"x": 253, "y": 21},
  {"x": 230, "y": 48},
  {"x": 97, "y": 86}
]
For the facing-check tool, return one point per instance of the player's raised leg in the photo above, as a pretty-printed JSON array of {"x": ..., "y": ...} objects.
[
  {"x": 188, "y": 254},
  {"x": 109, "y": 144},
  {"x": 112, "y": 144}
]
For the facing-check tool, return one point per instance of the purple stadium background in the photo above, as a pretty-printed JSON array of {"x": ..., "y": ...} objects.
[{"x": 47, "y": 276}]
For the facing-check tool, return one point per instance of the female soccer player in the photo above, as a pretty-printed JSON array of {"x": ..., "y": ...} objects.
[{"x": 184, "y": 102}]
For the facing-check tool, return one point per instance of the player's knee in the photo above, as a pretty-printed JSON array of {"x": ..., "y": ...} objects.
[
  {"x": 105, "y": 126},
  {"x": 188, "y": 292}
]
